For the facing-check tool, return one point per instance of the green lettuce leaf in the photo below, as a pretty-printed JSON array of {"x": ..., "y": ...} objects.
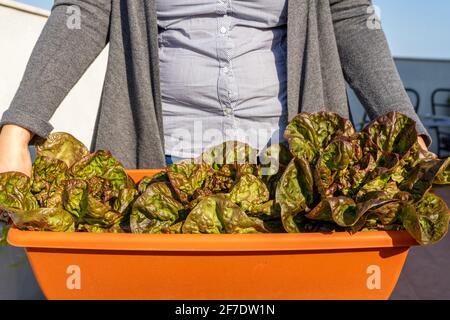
[
  {"x": 155, "y": 210},
  {"x": 15, "y": 191},
  {"x": 252, "y": 195},
  {"x": 62, "y": 146},
  {"x": 186, "y": 178},
  {"x": 146, "y": 181},
  {"x": 75, "y": 197},
  {"x": 48, "y": 177},
  {"x": 295, "y": 192},
  {"x": 308, "y": 133},
  {"x": 216, "y": 214},
  {"x": 333, "y": 170},
  {"x": 102, "y": 164},
  {"x": 44, "y": 219},
  {"x": 233, "y": 153},
  {"x": 426, "y": 220},
  {"x": 343, "y": 210},
  {"x": 419, "y": 179},
  {"x": 443, "y": 176},
  {"x": 393, "y": 132}
]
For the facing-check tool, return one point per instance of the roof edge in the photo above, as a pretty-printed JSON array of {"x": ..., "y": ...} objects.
[
  {"x": 24, "y": 8},
  {"x": 399, "y": 58}
]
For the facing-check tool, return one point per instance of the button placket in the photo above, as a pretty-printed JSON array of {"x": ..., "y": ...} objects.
[
  {"x": 226, "y": 82},
  {"x": 222, "y": 7}
]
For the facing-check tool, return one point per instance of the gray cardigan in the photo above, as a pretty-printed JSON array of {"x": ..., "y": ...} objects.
[{"x": 329, "y": 42}]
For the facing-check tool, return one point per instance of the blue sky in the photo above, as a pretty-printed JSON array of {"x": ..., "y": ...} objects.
[{"x": 414, "y": 28}]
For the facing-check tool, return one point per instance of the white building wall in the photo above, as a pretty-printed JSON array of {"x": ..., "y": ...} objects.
[{"x": 20, "y": 26}]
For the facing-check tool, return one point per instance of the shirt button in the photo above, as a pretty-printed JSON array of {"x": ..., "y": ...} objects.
[
  {"x": 223, "y": 30},
  {"x": 225, "y": 69},
  {"x": 228, "y": 111}
]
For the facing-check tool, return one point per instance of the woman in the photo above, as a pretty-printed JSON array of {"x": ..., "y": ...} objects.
[{"x": 222, "y": 65}]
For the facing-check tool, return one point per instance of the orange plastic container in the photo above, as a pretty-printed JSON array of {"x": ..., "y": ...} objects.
[{"x": 365, "y": 265}]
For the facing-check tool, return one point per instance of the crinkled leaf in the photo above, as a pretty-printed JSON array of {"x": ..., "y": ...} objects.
[
  {"x": 54, "y": 199},
  {"x": 155, "y": 209},
  {"x": 15, "y": 191},
  {"x": 225, "y": 163},
  {"x": 174, "y": 228},
  {"x": 268, "y": 209},
  {"x": 443, "y": 177},
  {"x": 123, "y": 201},
  {"x": 322, "y": 211},
  {"x": 146, "y": 181},
  {"x": 141, "y": 224},
  {"x": 347, "y": 215},
  {"x": 295, "y": 192},
  {"x": 99, "y": 187},
  {"x": 62, "y": 146},
  {"x": 388, "y": 213},
  {"x": 382, "y": 183},
  {"x": 420, "y": 179},
  {"x": 426, "y": 220},
  {"x": 158, "y": 202},
  {"x": 250, "y": 193},
  {"x": 186, "y": 177},
  {"x": 308, "y": 133},
  {"x": 274, "y": 161},
  {"x": 204, "y": 218},
  {"x": 332, "y": 172},
  {"x": 358, "y": 174},
  {"x": 344, "y": 211},
  {"x": 387, "y": 161},
  {"x": 44, "y": 219},
  {"x": 305, "y": 224},
  {"x": 230, "y": 152},
  {"x": 219, "y": 179},
  {"x": 75, "y": 197},
  {"x": 100, "y": 229},
  {"x": 383, "y": 217},
  {"x": 94, "y": 204},
  {"x": 341, "y": 153},
  {"x": 48, "y": 177},
  {"x": 216, "y": 214},
  {"x": 393, "y": 132},
  {"x": 101, "y": 213},
  {"x": 102, "y": 164}
]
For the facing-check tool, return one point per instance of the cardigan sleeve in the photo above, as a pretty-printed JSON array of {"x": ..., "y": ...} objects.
[
  {"x": 367, "y": 62},
  {"x": 74, "y": 35}
]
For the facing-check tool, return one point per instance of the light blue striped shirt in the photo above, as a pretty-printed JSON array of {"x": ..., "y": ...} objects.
[{"x": 223, "y": 72}]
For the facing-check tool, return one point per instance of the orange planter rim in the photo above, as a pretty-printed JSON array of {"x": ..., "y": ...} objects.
[{"x": 210, "y": 242}]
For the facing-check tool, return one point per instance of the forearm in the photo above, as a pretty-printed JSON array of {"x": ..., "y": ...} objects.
[
  {"x": 59, "y": 59},
  {"x": 367, "y": 62},
  {"x": 17, "y": 134}
]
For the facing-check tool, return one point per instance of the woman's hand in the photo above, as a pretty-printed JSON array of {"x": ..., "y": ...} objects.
[
  {"x": 422, "y": 143},
  {"x": 14, "y": 152}
]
